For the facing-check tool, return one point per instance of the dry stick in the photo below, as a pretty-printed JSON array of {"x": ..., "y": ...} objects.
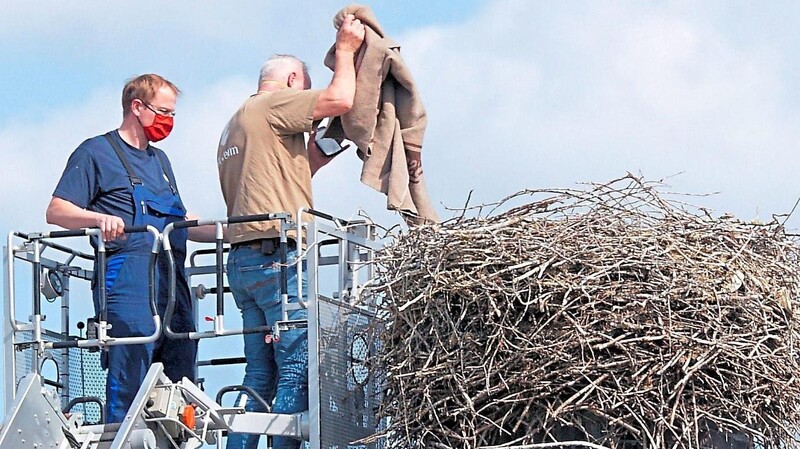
[{"x": 546, "y": 445}]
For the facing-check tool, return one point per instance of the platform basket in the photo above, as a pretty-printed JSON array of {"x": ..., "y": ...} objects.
[{"x": 84, "y": 375}]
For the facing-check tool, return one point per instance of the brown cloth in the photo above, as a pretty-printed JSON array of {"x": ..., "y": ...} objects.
[{"x": 387, "y": 121}]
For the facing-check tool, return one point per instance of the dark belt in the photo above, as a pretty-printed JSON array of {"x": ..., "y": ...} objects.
[{"x": 267, "y": 247}]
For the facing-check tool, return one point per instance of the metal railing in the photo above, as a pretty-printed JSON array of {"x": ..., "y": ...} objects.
[
  {"x": 326, "y": 241},
  {"x": 30, "y": 334}
]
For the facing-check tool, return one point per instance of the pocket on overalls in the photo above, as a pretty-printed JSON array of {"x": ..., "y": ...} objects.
[{"x": 160, "y": 209}]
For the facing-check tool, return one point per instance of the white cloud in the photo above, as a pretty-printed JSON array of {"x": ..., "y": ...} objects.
[
  {"x": 523, "y": 95},
  {"x": 110, "y": 22},
  {"x": 527, "y": 96},
  {"x": 35, "y": 154}
]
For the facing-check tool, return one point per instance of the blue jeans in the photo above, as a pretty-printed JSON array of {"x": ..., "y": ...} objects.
[{"x": 277, "y": 371}]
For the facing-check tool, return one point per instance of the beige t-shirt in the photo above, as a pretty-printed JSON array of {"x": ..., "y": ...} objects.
[{"x": 262, "y": 160}]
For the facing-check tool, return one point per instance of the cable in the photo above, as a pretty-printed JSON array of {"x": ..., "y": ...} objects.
[{"x": 73, "y": 442}]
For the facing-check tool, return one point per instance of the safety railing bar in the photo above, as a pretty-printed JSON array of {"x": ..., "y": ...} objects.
[
  {"x": 352, "y": 238},
  {"x": 83, "y": 401},
  {"x": 199, "y": 335},
  {"x": 199, "y": 270},
  {"x": 222, "y": 361},
  {"x": 339, "y": 232},
  {"x": 103, "y": 339},
  {"x": 285, "y": 226},
  {"x": 37, "y": 302},
  {"x": 220, "y": 270},
  {"x": 56, "y": 246},
  {"x": 229, "y": 220},
  {"x": 27, "y": 236},
  {"x": 219, "y": 328},
  {"x": 10, "y": 289},
  {"x": 11, "y": 254},
  {"x": 245, "y": 389},
  {"x": 299, "y": 267},
  {"x": 64, "y": 249},
  {"x": 328, "y": 260},
  {"x": 64, "y": 267},
  {"x": 338, "y": 221},
  {"x": 201, "y": 252},
  {"x": 110, "y": 341}
]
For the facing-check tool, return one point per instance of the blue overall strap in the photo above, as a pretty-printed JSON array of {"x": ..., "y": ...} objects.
[
  {"x": 162, "y": 160},
  {"x": 135, "y": 179}
]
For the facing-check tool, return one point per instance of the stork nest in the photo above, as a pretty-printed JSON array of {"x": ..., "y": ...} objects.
[{"x": 605, "y": 316}]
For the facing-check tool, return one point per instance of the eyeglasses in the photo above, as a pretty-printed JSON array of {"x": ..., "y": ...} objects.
[{"x": 159, "y": 111}]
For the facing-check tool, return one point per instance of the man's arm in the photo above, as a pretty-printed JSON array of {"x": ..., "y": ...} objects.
[
  {"x": 63, "y": 213},
  {"x": 205, "y": 233},
  {"x": 337, "y": 98}
]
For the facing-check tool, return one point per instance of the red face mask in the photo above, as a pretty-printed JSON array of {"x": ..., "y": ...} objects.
[{"x": 159, "y": 129}]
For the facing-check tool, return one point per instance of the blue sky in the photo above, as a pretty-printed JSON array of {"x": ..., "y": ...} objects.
[{"x": 519, "y": 94}]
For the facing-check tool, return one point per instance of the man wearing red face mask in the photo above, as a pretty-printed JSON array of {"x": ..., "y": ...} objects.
[{"x": 117, "y": 180}]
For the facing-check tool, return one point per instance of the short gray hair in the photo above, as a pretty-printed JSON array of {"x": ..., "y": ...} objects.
[{"x": 276, "y": 64}]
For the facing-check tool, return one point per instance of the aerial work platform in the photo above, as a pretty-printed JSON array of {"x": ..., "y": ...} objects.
[{"x": 54, "y": 385}]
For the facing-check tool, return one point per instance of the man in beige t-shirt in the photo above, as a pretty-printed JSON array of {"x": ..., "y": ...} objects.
[{"x": 265, "y": 167}]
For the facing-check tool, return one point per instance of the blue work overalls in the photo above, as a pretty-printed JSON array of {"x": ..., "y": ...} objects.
[{"x": 127, "y": 287}]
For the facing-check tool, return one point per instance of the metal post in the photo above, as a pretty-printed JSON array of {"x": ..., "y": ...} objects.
[
  {"x": 9, "y": 361},
  {"x": 64, "y": 368},
  {"x": 312, "y": 259},
  {"x": 285, "y": 275},
  {"x": 218, "y": 322},
  {"x": 37, "y": 305}
]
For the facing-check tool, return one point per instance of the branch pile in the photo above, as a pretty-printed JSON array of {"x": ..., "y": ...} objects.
[{"x": 610, "y": 316}]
